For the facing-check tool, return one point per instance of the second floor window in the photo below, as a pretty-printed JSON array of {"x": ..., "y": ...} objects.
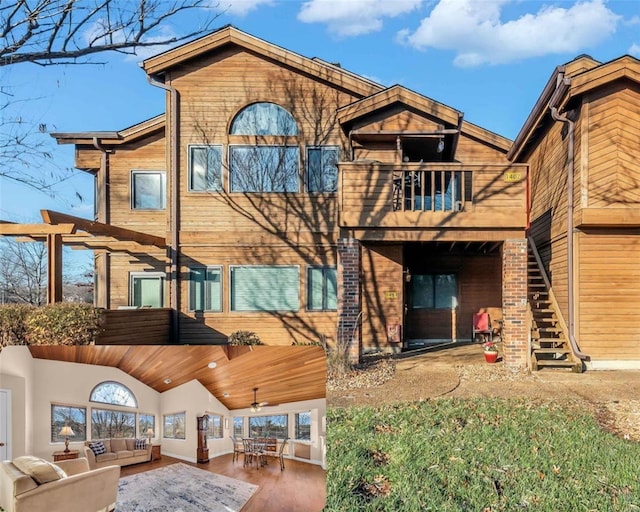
[
  {"x": 205, "y": 168},
  {"x": 205, "y": 289},
  {"x": 264, "y": 154},
  {"x": 148, "y": 190},
  {"x": 322, "y": 169}
]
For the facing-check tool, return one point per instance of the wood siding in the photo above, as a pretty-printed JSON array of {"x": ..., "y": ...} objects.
[
  {"x": 135, "y": 327},
  {"x": 609, "y": 280}
]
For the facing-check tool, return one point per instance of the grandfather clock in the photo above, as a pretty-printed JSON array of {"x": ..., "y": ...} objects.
[{"x": 203, "y": 451}]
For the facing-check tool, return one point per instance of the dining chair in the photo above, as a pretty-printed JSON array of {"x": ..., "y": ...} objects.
[{"x": 238, "y": 448}]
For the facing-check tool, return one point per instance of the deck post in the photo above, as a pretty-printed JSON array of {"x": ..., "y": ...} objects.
[
  {"x": 349, "y": 335},
  {"x": 54, "y": 268},
  {"x": 514, "y": 303}
]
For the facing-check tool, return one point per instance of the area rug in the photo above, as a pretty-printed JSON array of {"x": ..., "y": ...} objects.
[{"x": 182, "y": 488}]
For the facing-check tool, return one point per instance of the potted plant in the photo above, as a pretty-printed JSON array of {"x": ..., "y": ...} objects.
[{"x": 490, "y": 351}]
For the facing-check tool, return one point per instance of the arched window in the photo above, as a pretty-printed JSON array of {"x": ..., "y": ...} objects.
[
  {"x": 114, "y": 393},
  {"x": 264, "y": 155},
  {"x": 264, "y": 119}
]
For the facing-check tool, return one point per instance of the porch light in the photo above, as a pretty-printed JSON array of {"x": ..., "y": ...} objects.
[{"x": 440, "y": 148}]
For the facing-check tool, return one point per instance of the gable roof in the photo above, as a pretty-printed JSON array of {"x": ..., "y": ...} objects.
[
  {"x": 331, "y": 73},
  {"x": 569, "y": 81}
]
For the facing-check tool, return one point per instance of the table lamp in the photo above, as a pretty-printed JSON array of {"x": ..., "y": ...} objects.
[
  {"x": 66, "y": 432},
  {"x": 149, "y": 434}
]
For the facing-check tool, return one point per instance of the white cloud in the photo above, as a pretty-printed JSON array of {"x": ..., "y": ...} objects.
[
  {"x": 634, "y": 50},
  {"x": 354, "y": 17},
  {"x": 475, "y": 31},
  {"x": 242, "y": 7}
]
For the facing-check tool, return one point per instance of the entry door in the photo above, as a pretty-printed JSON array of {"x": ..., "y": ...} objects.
[
  {"x": 432, "y": 301},
  {"x": 5, "y": 424}
]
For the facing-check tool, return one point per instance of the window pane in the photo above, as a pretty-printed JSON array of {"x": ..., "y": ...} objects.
[
  {"x": 111, "y": 424},
  {"x": 314, "y": 169},
  {"x": 303, "y": 425},
  {"x": 264, "y": 168},
  {"x": 206, "y": 168},
  {"x": 265, "y": 289},
  {"x": 174, "y": 426},
  {"x": 238, "y": 426},
  {"x": 75, "y": 417},
  {"x": 146, "y": 422},
  {"x": 147, "y": 291},
  {"x": 315, "y": 288},
  {"x": 446, "y": 291},
  {"x": 214, "y": 290},
  {"x": 331, "y": 275},
  {"x": 214, "y": 426},
  {"x": 196, "y": 289},
  {"x": 264, "y": 119},
  {"x": 148, "y": 190},
  {"x": 422, "y": 291},
  {"x": 113, "y": 393},
  {"x": 269, "y": 426}
]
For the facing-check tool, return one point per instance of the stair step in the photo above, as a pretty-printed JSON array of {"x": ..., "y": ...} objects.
[
  {"x": 537, "y": 285},
  {"x": 536, "y": 277},
  {"x": 545, "y": 319},
  {"x": 557, "y": 350},
  {"x": 549, "y": 329},
  {"x": 556, "y": 362},
  {"x": 550, "y": 340}
]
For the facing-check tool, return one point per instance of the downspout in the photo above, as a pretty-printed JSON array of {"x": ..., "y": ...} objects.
[
  {"x": 563, "y": 85},
  {"x": 174, "y": 284},
  {"x": 101, "y": 298}
]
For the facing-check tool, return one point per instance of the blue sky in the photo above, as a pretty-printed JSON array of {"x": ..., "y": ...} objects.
[{"x": 487, "y": 58}]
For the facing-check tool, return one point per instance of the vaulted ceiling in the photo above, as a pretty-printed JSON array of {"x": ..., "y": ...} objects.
[{"x": 281, "y": 374}]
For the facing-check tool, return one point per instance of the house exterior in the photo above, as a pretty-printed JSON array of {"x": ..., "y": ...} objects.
[
  {"x": 287, "y": 196},
  {"x": 585, "y": 199}
]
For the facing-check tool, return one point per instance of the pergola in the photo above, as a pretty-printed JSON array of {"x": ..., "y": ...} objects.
[{"x": 59, "y": 229}]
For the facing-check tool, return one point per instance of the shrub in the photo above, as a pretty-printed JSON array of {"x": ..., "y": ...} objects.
[
  {"x": 244, "y": 338},
  {"x": 12, "y": 324},
  {"x": 63, "y": 324}
]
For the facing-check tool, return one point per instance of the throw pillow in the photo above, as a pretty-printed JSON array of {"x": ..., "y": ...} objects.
[
  {"x": 98, "y": 448},
  {"x": 141, "y": 444},
  {"x": 39, "y": 469}
]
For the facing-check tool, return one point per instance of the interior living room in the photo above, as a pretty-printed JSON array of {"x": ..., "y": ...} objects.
[{"x": 141, "y": 428}]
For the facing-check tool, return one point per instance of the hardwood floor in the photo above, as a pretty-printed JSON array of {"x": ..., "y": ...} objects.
[{"x": 299, "y": 488}]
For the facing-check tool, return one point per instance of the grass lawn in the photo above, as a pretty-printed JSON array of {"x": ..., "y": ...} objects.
[{"x": 480, "y": 455}]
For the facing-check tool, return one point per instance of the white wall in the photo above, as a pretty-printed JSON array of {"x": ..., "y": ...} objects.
[{"x": 194, "y": 399}]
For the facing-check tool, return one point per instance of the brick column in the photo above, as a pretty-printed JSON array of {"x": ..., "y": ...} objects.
[
  {"x": 514, "y": 304},
  {"x": 349, "y": 307}
]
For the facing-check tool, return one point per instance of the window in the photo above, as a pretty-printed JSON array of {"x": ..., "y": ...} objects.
[
  {"x": 146, "y": 422},
  {"x": 148, "y": 190},
  {"x": 303, "y": 426},
  {"x": 322, "y": 289},
  {"x": 261, "y": 288},
  {"x": 147, "y": 289},
  {"x": 205, "y": 168},
  {"x": 264, "y": 168},
  {"x": 214, "y": 428},
  {"x": 75, "y": 417},
  {"x": 264, "y": 119},
  {"x": 322, "y": 169},
  {"x": 106, "y": 423},
  {"x": 205, "y": 289},
  {"x": 266, "y": 162},
  {"x": 269, "y": 426},
  {"x": 238, "y": 426},
  {"x": 174, "y": 426},
  {"x": 434, "y": 291},
  {"x": 114, "y": 393}
]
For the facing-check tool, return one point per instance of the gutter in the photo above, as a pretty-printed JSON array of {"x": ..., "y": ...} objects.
[
  {"x": 563, "y": 85},
  {"x": 173, "y": 204}
]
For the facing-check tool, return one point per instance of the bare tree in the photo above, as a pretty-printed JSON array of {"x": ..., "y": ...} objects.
[
  {"x": 50, "y": 32},
  {"x": 23, "y": 272}
]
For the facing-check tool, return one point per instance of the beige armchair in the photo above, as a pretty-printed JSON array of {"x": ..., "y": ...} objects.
[{"x": 82, "y": 489}]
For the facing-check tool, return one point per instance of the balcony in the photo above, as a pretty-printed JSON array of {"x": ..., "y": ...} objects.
[{"x": 393, "y": 202}]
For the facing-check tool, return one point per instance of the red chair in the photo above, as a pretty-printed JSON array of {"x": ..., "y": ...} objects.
[{"x": 482, "y": 326}]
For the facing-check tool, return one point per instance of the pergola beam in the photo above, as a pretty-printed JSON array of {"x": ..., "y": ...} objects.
[{"x": 36, "y": 230}]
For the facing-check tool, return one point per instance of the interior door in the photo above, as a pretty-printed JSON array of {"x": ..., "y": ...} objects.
[{"x": 5, "y": 424}]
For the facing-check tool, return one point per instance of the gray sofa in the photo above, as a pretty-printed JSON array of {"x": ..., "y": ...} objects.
[
  {"x": 120, "y": 452},
  {"x": 82, "y": 489}
]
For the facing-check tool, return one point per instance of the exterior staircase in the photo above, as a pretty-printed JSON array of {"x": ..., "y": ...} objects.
[{"x": 549, "y": 342}]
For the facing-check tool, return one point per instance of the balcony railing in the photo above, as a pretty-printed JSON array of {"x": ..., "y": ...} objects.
[{"x": 375, "y": 196}]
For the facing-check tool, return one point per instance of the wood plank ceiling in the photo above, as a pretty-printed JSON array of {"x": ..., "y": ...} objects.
[{"x": 281, "y": 374}]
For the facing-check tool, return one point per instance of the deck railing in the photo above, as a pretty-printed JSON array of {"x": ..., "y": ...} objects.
[{"x": 431, "y": 190}]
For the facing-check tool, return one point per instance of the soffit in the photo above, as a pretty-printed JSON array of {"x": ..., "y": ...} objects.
[{"x": 281, "y": 374}]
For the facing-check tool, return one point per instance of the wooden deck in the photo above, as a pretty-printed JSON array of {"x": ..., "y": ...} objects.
[{"x": 300, "y": 486}]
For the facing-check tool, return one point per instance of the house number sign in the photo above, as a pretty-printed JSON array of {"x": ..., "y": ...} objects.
[
  {"x": 512, "y": 177},
  {"x": 390, "y": 295}
]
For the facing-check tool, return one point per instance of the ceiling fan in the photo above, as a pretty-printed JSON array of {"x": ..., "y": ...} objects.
[{"x": 256, "y": 406}]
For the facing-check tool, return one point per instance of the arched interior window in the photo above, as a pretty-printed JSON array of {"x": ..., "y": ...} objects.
[
  {"x": 264, "y": 155},
  {"x": 264, "y": 119},
  {"x": 114, "y": 393}
]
